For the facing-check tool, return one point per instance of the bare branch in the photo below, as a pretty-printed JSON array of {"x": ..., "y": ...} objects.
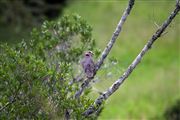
[
  {"x": 136, "y": 61},
  {"x": 177, "y": 2},
  {"x": 108, "y": 47},
  {"x": 115, "y": 34}
]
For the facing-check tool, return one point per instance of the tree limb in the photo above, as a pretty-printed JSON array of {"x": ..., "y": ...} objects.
[
  {"x": 115, "y": 34},
  {"x": 108, "y": 47},
  {"x": 132, "y": 66}
]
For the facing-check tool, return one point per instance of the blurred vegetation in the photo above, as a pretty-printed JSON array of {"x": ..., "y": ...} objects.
[
  {"x": 35, "y": 75},
  {"x": 153, "y": 88},
  {"x": 18, "y": 17}
]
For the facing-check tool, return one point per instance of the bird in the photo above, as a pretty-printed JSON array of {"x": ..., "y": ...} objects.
[{"x": 88, "y": 64}]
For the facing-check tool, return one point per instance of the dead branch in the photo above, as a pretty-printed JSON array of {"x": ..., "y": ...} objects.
[
  {"x": 108, "y": 47},
  {"x": 98, "y": 102}
]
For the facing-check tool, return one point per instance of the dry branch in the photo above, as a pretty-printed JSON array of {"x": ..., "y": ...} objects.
[
  {"x": 108, "y": 47},
  {"x": 136, "y": 61}
]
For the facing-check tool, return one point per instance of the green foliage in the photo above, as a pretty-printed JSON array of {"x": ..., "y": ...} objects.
[{"x": 35, "y": 76}]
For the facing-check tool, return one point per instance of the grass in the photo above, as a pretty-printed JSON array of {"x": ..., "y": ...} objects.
[{"x": 154, "y": 85}]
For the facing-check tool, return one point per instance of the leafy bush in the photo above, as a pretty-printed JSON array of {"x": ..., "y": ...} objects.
[{"x": 35, "y": 76}]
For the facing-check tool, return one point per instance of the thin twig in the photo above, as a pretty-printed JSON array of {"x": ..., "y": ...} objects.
[
  {"x": 108, "y": 47},
  {"x": 165, "y": 32},
  {"x": 98, "y": 102},
  {"x": 157, "y": 25},
  {"x": 7, "y": 104}
]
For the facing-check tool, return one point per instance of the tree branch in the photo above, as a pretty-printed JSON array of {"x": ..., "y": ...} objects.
[
  {"x": 136, "y": 61},
  {"x": 115, "y": 34},
  {"x": 108, "y": 47}
]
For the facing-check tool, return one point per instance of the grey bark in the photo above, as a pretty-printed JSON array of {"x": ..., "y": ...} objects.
[
  {"x": 98, "y": 102},
  {"x": 108, "y": 47}
]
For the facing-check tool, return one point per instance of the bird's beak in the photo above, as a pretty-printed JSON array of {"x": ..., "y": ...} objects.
[{"x": 91, "y": 53}]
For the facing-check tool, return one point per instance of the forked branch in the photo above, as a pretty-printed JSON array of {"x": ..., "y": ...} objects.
[
  {"x": 132, "y": 66},
  {"x": 108, "y": 47}
]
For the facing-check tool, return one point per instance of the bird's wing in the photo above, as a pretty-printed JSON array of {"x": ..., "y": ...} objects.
[
  {"x": 89, "y": 68},
  {"x": 92, "y": 66},
  {"x": 83, "y": 63}
]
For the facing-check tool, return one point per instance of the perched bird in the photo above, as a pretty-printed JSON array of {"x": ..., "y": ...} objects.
[{"x": 88, "y": 64}]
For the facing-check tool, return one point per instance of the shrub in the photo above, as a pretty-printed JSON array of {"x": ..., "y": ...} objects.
[{"x": 35, "y": 76}]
